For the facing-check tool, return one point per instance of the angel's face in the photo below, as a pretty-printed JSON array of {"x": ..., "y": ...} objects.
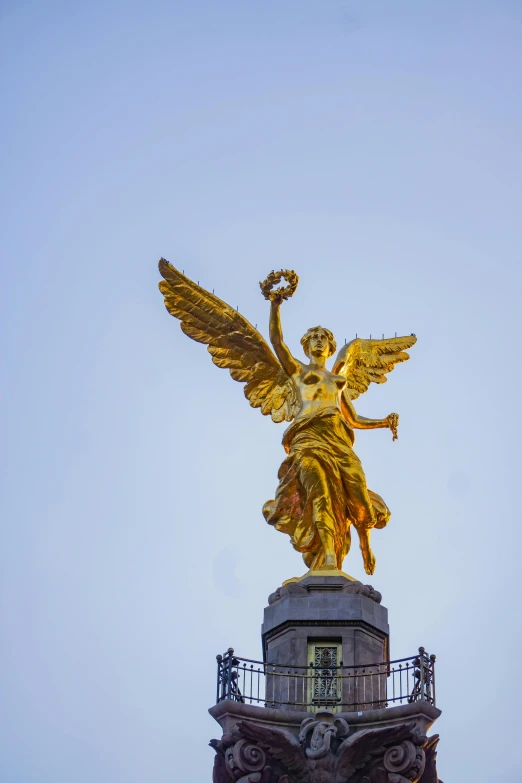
[{"x": 319, "y": 345}]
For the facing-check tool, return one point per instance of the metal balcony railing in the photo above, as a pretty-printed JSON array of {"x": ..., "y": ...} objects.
[{"x": 324, "y": 686}]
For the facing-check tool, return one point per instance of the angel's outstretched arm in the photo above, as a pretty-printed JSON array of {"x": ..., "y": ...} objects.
[
  {"x": 360, "y": 422},
  {"x": 289, "y": 364}
]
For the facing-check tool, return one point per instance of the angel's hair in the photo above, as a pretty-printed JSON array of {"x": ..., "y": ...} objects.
[{"x": 305, "y": 339}]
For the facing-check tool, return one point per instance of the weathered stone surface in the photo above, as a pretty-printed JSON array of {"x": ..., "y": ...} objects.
[
  {"x": 272, "y": 746},
  {"x": 332, "y": 583},
  {"x": 330, "y": 608},
  {"x": 229, "y": 713},
  {"x": 324, "y": 600}
]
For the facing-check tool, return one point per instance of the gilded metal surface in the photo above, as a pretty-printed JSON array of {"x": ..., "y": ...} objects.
[
  {"x": 322, "y": 488},
  {"x": 319, "y": 572}
]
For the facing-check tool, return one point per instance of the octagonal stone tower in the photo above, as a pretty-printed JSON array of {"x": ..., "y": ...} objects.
[{"x": 326, "y": 621}]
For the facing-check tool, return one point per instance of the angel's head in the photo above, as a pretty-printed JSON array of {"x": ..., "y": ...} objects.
[{"x": 318, "y": 341}]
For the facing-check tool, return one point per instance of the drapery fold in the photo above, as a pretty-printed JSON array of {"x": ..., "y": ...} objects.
[{"x": 322, "y": 486}]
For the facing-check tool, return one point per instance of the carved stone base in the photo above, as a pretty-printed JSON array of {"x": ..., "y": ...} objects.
[{"x": 262, "y": 745}]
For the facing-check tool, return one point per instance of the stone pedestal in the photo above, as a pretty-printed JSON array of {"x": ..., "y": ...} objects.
[
  {"x": 322, "y": 707},
  {"x": 320, "y": 619},
  {"x": 325, "y": 608}
]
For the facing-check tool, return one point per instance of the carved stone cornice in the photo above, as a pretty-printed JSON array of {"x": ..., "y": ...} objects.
[
  {"x": 229, "y": 713},
  {"x": 326, "y": 750}
]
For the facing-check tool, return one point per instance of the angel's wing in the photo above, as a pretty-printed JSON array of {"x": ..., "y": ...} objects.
[
  {"x": 233, "y": 343},
  {"x": 282, "y": 746},
  {"x": 220, "y": 772},
  {"x": 363, "y": 746},
  {"x": 430, "y": 770},
  {"x": 365, "y": 361}
]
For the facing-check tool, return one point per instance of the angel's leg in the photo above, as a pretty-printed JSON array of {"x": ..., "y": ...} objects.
[
  {"x": 359, "y": 507},
  {"x": 327, "y": 540},
  {"x": 368, "y": 556},
  {"x": 347, "y": 542},
  {"x": 315, "y": 484}
]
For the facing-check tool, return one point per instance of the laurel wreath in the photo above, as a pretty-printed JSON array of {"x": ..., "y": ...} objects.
[{"x": 274, "y": 278}]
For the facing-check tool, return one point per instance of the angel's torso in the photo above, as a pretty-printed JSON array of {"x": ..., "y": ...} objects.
[{"x": 317, "y": 389}]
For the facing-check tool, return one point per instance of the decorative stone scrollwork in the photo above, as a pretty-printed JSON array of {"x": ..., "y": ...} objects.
[
  {"x": 401, "y": 757},
  {"x": 258, "y": 777},
  {"x": 244, "y": 757},
  {"x": 323, "y": 731},
  {"x": 325, "y": 750},
  {"x": 404, "y": 762}
]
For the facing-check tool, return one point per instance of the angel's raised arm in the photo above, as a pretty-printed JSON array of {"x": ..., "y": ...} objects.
[{"x": 288, "y": 363}]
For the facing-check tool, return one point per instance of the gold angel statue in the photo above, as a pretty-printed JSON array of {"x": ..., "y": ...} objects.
[{"x": 322, "y": 488}]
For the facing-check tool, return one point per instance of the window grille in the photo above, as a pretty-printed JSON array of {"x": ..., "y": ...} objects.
[{"x": 325, "y": 662}]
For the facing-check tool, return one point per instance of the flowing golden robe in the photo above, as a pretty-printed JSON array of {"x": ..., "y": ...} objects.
[{"x": 322, "y": 487}]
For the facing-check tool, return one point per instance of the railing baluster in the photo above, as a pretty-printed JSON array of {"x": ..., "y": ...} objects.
[
  {"x": 328, "y": 684},
  {"x": 433, "y": 658},
  {"x": 421, "y": 667},
  {"x": 219, "y": 658},
  {"x": 229, "y": 672}
]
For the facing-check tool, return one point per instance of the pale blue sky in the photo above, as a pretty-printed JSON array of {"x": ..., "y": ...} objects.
[{"x": 372, "y": 146}]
